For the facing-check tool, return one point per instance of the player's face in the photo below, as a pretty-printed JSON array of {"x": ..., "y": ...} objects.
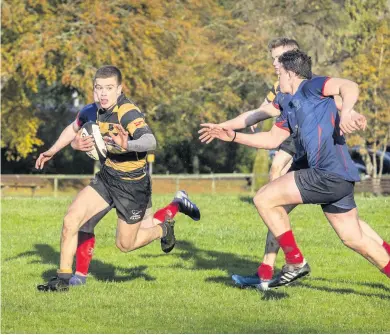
[
  {"x": 285, "y": 81},
  {"x": 276, "y": 53},
  {"x": 107, "y": 91}
]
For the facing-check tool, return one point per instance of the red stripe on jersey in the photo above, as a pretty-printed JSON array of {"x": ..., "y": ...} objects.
[
  {"x": 319, "y": 130},
  {"x": 323, "y": 87},
  {"x": 275, "y": 105},
  {"x": 332, "y": 120},
  {"x": 78, "y": 120},
  {"x": 344, "y": 160},
  {"x": 280, "y": 125}
]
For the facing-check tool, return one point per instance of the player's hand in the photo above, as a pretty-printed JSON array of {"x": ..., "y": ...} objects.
[
  {"x": 211, "y": 131},
  {"x": 206, "y": 127},
  {"x": 83, "y": 143},
  {"x": 43, "y": 158},
  {"x": 352, "y": 121},
  {"x": 120, "y": 138}
]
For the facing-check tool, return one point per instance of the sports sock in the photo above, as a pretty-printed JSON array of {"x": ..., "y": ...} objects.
[
  {"x": 386, "y": 246},
  {"x": 65, "y": 274},
  {"x": 265, "y": 271},
  {"x": 84, "y": 252},
  {"x": 170, "y": 211},
  {"x": 291, "y": 251},
  {"x": 386, "y": 270}
]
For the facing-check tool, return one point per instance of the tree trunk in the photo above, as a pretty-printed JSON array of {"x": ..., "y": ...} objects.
[{"x": 261, "y": 168}]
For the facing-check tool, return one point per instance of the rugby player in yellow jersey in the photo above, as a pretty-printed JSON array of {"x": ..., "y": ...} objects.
[{"x": 122, "y": 183}]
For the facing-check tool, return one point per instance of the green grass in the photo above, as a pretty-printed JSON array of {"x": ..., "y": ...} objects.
[{"x": 189, "y": 290}]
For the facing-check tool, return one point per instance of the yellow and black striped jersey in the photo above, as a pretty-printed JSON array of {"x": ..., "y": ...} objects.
[
  {"x": 128, "y": 165},
  {"x": 273, "y": 92}
]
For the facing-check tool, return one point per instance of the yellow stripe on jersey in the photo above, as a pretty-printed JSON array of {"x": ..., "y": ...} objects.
[
  {"x": 126, "y": 107},
  {"x": 126, "y": 166},
  {"x": 137, "y": 123},
  {"x": 272, "y": 93}
]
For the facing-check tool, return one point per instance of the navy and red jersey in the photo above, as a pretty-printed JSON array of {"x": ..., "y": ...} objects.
[
  {"x": 88, "y": 113},
  {"x": 314, "y": 121}
]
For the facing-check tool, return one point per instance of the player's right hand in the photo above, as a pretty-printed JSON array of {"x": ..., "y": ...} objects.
[
  {"x": 42, "y": 159},
  {"x": 211, "y": 131},
  {"x": 82, "y": 143}
]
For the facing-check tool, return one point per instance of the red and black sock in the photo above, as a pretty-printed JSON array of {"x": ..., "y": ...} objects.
[
  {"x": 265, "y": 271},
  {"x": 386, "y": 246},
  {"x": 84, "y": 252},
  {"x": 291, "y": 251},
  {"x": 386, "y": 270},
  {"x": 168, "y": 211}
]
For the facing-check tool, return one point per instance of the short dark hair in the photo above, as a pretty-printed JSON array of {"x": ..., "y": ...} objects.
[
  {"x": 283, "y": 42},
  {"x": 297, "y": 62},
  {"x": 109, "y": 71}
]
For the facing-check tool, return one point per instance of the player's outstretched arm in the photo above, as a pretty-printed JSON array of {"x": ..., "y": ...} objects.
[
  {"x": 264, "y": 112},
  {"x": 250, "y": 118},
  {"x": 348, "y": 90},
  {"x": 263, "y": 140},
  {"x": 67, "y": 135}
]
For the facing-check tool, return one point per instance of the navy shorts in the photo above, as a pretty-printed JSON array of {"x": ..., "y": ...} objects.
[
  {"x": 288, "y": 146},
  {"x": 334, "y": 194}
]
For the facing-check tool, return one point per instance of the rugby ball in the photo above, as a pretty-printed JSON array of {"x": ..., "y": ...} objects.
[{"x": 99, "y": 152}]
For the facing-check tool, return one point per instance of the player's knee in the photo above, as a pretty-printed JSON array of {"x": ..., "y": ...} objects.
[
  {"x": 71, "y": 224},
  {"x": 356, "y": 244},
  {"x": 124, "y": 246},
  {"x": 260, "y": 200},
  {"x": 275, "y": 172}
]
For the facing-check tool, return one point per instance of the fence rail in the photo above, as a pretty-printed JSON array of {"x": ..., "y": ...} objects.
[{"x": 202, "y": 183}]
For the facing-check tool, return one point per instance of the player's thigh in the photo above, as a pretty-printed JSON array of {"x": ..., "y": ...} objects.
[
  {"x": 345, "y": 224},
  {"x": 280, "y": 192},
  {"x": 281, "y": 159},
  {"x": 148, "y": 221},
  {"x": 87, "y": 203},
  {"x": 126, "y": 233},
  {"x": 89, "y": 226}
]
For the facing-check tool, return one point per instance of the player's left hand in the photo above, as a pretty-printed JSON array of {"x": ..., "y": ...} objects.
[
  {"x": 120, "y": 138},
  {"x": 352, "y": 121}
]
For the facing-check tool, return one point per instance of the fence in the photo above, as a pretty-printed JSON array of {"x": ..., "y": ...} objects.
[{"x": 53, "y": 185}]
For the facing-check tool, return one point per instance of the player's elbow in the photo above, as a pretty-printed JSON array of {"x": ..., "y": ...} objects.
[{"x": 153, "y": 143}]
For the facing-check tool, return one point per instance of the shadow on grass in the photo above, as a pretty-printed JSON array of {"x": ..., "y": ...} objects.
[
  {"x": 247, "y": 199},
  {"x": 330, "y": 289},
  {"x": 209, "y": 259},
  {"x": 100, "y": 270}
]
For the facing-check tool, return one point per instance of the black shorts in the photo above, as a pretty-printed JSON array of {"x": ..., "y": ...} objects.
[
  {"x": 288, "y": 146},
  {"x": 131, "y": 198},
  {"x": 334, "y": 194}
]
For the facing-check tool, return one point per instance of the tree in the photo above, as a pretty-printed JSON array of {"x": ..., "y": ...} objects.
[{"x": 371, "y": 70}]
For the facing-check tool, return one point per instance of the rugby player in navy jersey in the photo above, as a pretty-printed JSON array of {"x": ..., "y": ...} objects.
[
  {"x": 286, "y": 159},
  {"x": 124, "y": 185},
  {"x": 310, "y": 114}
]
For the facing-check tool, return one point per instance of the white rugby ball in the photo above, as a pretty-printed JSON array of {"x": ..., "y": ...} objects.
[{"x": 99, "y": 152}]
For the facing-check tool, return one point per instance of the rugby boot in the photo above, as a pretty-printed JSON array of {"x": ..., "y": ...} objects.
[
  {"x": 289, "y": 274},
  {"x": 77, "y": 280},
  {"x": 55, "y": 284},
  {"x": 186, "y": 206},
  {"x": 168, "y": 240},
  {"x": 246, "y": 281}
]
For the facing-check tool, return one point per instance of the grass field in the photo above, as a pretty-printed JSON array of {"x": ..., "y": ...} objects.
[{"x": 190, "y": 290}]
